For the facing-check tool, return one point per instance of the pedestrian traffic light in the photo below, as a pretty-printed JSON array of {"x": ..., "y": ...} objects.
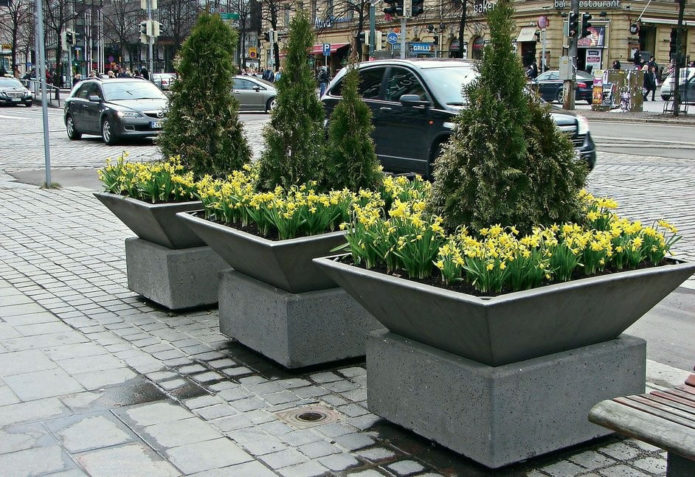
[
  {"x": 585, "y": 25},
  {"x": 573, "y": 23},
  {"x": 156, "y": 28},
  {"x": 362, "y": 37},
  {"x": 143, "y": 27},
  {"x": 395, "y": 7},
  {"x": 266, "y": 37},
  {"x": 70, "y": 37},
  {"x": 417, "y": 8}
]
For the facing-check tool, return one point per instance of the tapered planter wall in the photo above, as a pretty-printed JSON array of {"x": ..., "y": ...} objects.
[
  {"x": 512, "y": 327},
  {"x": 285, "y": 264},
  {"x": 156, "y": 223}
]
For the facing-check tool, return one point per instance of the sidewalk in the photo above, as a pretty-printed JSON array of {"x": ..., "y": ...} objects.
[{"x": 96, "y": 381}]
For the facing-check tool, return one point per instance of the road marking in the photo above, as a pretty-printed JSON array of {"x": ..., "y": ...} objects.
[
  {"x": 660, "y": 141},
  {"x": 14, "y": 117}
]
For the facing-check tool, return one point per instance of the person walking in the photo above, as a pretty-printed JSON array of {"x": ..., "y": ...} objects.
[
  {"x": 649, "y": 82},
  {"x": 323, "y": 79},
  {"x": 616, "y": 64},
  {"x": 278, "y": 74},
  {"x": 532, "y": 70}
]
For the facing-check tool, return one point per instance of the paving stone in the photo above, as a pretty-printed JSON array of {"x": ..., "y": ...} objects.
[
  {"x": 354, "y": 441},
  {"x": 203, "y": 401},
  {"x": 158, "y": 412},
  {"x": 131, "y": 459},
  {"x": 318, "y": 449},
  {"x": 310, "y": 392},
  {"x": 364, "y": 422},
  {"x": 376, "y": 454},
  {"x": 281, "y": 397},
  {"x": 367, "y": 473},
  {"x": 334, "y": 429},
  {"x": 651, "y": 464},
  {"x": 31, "y": 411},
  {"x": 107, "y": 377},
  {"x": 161, "y": 375},
  {"x": 232, "y": 423},
  {"x": 194, "y": 368},
  {"x": 352, "y": 410},
  {"x": 238, "y": 371},
  {"x": 92, "y": 433},
  {"x": 620, "y": 451},
  {"x": 275, "y": 428},
  {"x": 94, "y": 363},
  {"x": 592, "y": 460},
  {"x": 215, "y": 412},
  {"x": 285, "y": 458},
  {"x": 307, "y": 469},
  {"x": 248, "y": 404},
  {"x": 333, "y": 400},
  {"x": 178, "y": 433},
  {"x": 173, "y": 384},
  {"x": 40, "y": 328},
  {"x": 339, "y": 462},
  {"x": 206, "y": 377},
  {"x": 234, "y": 394},
  {"x": 36, "y": 461},
  {"x": 58, "y": 353},
  {"x": 325, "y": 377},
  {"x": 42, "y": 384},
  {"x": 562, "y": 469},
  {"x": 353, "y": 372},
  {"x": 18, "y": 440},
  {"x": 24, "y": 362},
  {"x": 643, "y": 445},
  {"x": 256, "y": 441},
  {"x": 7, "y": 396},
  {"x": 222, "y": 363},
  {"x": 248, "y": 469},
  {"x": 207, "y": 455},
  {"x": 621, "y": 471}
]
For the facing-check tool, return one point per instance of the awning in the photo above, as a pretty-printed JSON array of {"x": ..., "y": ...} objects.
[
  {"x": 526, "y": 34},
  {"x": 665, "y": 21},
  {"x": 318, "y": 48}
]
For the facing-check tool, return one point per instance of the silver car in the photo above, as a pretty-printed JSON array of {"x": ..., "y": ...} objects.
[
  {"x": 115, "y": 109},
  {"x": 254, "y": 94},
  {"x": 163, "y": 80},
  {"x": 13, "y": 92},
  {"x": 686, "y": 86}
]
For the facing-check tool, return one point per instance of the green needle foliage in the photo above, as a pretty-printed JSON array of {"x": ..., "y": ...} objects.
[
  {"x": 203, "y": 125},
  {"x": 352, "y": 161},
  {"x": 507, "y": 163},
  {"x": 295, "y": 151}
]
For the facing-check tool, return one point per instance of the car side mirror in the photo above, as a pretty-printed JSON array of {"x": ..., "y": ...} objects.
[
  {"x": 413, "y": 100},
  {"x": 93, "y": 98}
]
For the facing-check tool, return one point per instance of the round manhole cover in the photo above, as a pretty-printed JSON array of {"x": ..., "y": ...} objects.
[
  {"x": 308, "y": 416},
  {"x": 311, "y": 416}
]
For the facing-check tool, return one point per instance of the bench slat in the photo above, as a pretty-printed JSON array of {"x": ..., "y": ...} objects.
[
  {"x": 691, "y": 380},
  {"x": 667, "y": 406},
  {"x": 682, "y": 393},
  {"x": 686, "y": 389},
  {"x": 675, "y": 401},
  {"x": 672, "y": 417},
  {"x": 644, "y": 426}
]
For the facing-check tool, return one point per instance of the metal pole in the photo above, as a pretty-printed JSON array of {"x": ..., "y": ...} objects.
[
  {"x": 678, "y": 56},
  {"x": 70, "y": 65},
  {"x": 149, "y": 38},
  {"x": 372, "y": 27},
  {"x": 402, "y": 38},
  {"x": 543, "y": 50},
  {"x": 44, "y": 96},
  {"x": 568, "y": 100}
]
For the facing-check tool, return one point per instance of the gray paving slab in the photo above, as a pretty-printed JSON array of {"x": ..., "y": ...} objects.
[
  {"x": 130, "y": 459},
  {"x": 34, "y": 461},
  {"x": 42, "y": 384},
  {"x": 207, "y": 455}
]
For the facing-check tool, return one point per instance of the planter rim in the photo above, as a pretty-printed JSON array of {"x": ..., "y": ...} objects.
[
  {"x": 485, "y": 301},
  {"x": 258, "y": 239},
  {"x": 157, "y": 205}
]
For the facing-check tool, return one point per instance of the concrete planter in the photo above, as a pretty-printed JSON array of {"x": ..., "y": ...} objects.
[
  {"x": 512, "y": 327},
  {"x": 156, "y": 223},
  {"x": 286, "y": 264}
]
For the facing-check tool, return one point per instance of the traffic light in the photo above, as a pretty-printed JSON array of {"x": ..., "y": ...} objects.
[
  {"x": 70, "y": 37},
  {"x": 435, "y": 40},
  {"x": 395, "y": 7},
  {"x": 143, "y": 27},
  {"x": 573, "y": 23},
  {"x": 417, "y": 8},
  {"x": 585, "y": 25},
  {"x": 266, "y": 37},
  {"x": 156, "y": 28},
  {"x": 363, "y": 37}
]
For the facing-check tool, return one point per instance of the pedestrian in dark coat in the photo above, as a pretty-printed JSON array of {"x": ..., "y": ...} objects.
[{"x": 649, "y": 82}]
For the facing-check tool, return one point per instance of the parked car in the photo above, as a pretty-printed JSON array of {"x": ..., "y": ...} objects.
[
  {"x": 686, "y": 86},
  {"x": 12, "y": 92},
  {"x": 550, "y": 86},
  {"x": 163, "y": 80},
  {"x": 413, "y": 105},
  {"x": 254, "y": 94},
  {"x": 114, "y": 109}
]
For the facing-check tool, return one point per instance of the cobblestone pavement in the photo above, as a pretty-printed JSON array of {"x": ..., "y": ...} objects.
[{"x": 94, "y": 380}]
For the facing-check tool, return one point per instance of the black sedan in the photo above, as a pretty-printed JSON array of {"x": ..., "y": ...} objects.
[
  {"x": 114, "y": 109},
  {"x": 12, "y": 92},
  {"x": 549, "y": 86}
]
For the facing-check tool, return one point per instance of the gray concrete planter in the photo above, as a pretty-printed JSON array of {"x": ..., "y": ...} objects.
[
  {"x": 286, "y": 264},
  {"x": 512, "y": 327},
  {"x": 156, "y": 223}
]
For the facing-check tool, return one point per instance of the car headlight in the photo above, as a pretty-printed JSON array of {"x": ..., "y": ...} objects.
[
  {"x": 127, "y": 114},
  {"x": 2, "y": 93},
  {"x": 582, "y": 125}
]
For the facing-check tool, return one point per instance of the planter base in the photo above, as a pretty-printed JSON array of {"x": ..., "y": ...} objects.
[
  {"x": 294, "y": 330},
  {"x": 504, "y": 414},
  {"x": 175, "y": 279}
]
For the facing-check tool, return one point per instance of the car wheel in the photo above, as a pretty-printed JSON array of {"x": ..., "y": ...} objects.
[
  {"x": 70, "y": 127},
  {"x": 665, "y": 97},
  {"x": 28, "y": 105},
  {"x": 107, "y": 132},
  {"x": 271, "y": 104},
  {"x": 436, "y": 152},
  {"x": 560, "y": 96}
]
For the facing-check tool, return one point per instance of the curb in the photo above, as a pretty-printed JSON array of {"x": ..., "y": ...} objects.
[{"x": 658, "y": 118}]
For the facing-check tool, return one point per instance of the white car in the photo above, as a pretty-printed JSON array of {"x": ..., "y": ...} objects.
[{"x": 686, "y": 86}]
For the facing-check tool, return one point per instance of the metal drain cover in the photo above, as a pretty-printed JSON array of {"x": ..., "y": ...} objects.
[{"x": 308, "y": 416}]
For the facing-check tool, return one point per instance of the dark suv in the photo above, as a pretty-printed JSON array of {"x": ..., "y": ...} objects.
[
  {"x": 413, "y": 105},
  {"x": 115, "y": 108}
]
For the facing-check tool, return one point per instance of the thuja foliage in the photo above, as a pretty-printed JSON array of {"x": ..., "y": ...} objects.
[
  {"x": 507, "y": 163},
  {"x": 352, "y": 161},
  {"x": 295, "y": 138},
  {"x": 202, "y": 125}
]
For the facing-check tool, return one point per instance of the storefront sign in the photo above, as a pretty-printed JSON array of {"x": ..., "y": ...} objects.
[
  {"x": 480, "y": 7},
  {"x": 420, "y": 47},
  {"x": 595, "y": 39},
  {"x": 593, "y": 58},
  {"x": 586, "y": 4},
  {"x": 321, "y": 23}
]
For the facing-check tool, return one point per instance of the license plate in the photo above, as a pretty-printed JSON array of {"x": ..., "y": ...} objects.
[
  {"x": 156, "y": 124},
  {"x": 16, "y": 100}
]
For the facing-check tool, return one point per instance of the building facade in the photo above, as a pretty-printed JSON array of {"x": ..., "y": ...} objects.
[{"x": 618, "y": 29}]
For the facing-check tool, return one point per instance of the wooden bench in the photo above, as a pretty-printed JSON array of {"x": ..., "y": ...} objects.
[{"x": 665, "y": 419}]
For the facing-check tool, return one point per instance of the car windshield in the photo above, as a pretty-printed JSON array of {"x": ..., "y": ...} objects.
[
  {"x": 139, "y": 89},
  {"x": 447, "y": 83},
  {"x": 10, "y": 83},
  {"x": 685, "y": 73}
]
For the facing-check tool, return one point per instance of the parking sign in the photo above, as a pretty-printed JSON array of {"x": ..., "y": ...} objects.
[{"x": 326, "y": 49}]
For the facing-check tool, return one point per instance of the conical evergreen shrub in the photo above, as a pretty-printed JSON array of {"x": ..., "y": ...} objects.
[
  {"x": 203, "y": 125},
  {"x": 353, "y": 163},
  {"x": 506, "y": 163},
  {"x": 295, "y": 138}
]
